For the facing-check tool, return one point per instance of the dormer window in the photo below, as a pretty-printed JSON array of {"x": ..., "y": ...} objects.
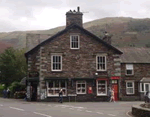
[{"x": 74, "y": 41}]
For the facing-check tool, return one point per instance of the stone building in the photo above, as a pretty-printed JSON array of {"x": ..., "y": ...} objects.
[
  {"x": 77, "y": 61},
  {"x": 135, "y": 73}
]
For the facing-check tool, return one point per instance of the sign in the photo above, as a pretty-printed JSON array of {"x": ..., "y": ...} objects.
[
  {"x": 34, "y": 74},
  {"x": 115, "y": 77},
  {"x": 90, "y": 90},
  {"x": 72, "y": 94}
]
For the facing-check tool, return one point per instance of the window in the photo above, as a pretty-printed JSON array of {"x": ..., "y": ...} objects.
[
  {"x": 101, "y": 63},
  {"x": 129, "y": 69},
  {"x": 81, "y": 87},
  {"x": 56, "y": 63},
  {"x": 53, "y": 87},
  {"x": 74, "y": 41},
  {"x": 144, "y": 87},
  {"x": 130, "y": 87},
  {"x": 101, "y": 87}
]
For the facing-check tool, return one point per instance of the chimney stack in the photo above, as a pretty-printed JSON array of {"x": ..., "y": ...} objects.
[
  {"x": 107, "y": 37},
  {"x": 74, "y": 17}
]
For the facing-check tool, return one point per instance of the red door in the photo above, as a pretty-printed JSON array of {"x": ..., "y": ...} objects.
[{"x": 115, "y": 87}]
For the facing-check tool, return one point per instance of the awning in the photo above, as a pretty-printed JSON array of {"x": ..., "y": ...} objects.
[{"x": 145, "y": 80}]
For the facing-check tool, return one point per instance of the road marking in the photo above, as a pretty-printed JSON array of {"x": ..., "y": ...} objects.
[
  {"x": 111, "y": 115},
  {"x": 88, "y": 111},
  {"x": 63, "y": 107},
  {"x": 100, "y": 113},
  {"x": 79, "y": 110},
  {"x": 42, "y": 114},
  {"x": 16, "y": 108},
  {"x": 71, "y": 108}
]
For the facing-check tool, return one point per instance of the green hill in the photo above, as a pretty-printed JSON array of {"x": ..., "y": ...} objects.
[{"x": 126, "y": 32}]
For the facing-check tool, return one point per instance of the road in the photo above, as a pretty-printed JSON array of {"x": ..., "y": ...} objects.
[{"x": 21, "y": 108}]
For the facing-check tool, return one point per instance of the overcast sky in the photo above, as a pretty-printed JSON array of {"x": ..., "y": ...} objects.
[{"x": 20, "y": 15}]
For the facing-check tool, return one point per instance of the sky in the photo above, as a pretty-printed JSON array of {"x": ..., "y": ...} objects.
[{"x": 24, "y": 15}]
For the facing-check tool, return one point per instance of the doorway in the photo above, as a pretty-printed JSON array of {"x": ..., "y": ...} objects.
[
  {"x": 115, "y": 87},
  {"x": 33, "y": 91}
]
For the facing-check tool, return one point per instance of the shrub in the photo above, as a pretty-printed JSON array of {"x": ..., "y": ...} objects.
[{"x": 16, "y": 87}]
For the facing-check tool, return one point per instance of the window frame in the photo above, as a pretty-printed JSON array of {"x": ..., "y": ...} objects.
[
  {"x": 54, "y": 88},
  {"x": 71, "y": 41},
  {"x": 97, "y": 62},
  {"x": 100, "y": 94},
  {"x": 130, "y": 87},
  {"x": 52, "y": 62},
  {"x": 77, "y": 82},
  {"x": 129, "y": 69}
]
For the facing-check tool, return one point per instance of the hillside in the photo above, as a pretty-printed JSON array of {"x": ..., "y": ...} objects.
[{"x": 126, "y": 32}]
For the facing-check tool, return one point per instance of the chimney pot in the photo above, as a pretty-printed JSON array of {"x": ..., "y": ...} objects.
[{"x": 78, "y": 9}]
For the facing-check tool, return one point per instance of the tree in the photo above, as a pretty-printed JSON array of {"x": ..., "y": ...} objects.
[{"x": 12, "y": 65}]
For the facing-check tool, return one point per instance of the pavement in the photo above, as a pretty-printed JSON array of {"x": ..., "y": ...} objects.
[{"x": 21, "y": 108}]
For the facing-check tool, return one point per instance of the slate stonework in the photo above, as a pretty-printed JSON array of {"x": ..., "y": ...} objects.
[
  {"x": 80, "y": 63},
  {"x": 140, "y": 70}
]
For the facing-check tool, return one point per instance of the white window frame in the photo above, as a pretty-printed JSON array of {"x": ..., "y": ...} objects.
[
  {"x": 49, "y": 95},
  {"x": 130, "y": 87},
  {"x": 129, "y": 69},
  {"x": 141, "y": 87},
  {"x": 71, "y": 41},
  {"x": 101, "y": 94},
  {"x": 105, "y": 63},
  {"x": 78, "y": 82},
  {"x": 52, "y": 62}
]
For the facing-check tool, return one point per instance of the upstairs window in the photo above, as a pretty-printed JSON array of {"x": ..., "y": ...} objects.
[
  {"x": 129, "y": 69},
  {"x": 56, "y": 63},
  {"x": 101, "y": 63},
  {"x": 74, "y": 41}
]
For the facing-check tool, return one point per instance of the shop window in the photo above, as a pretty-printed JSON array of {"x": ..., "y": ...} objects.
[
  {"x": 53, "y": 87},
  {"x": 130, "y": 87},
  {"x": 101, "y": 87},
  {"x": 81, "y": 87}
]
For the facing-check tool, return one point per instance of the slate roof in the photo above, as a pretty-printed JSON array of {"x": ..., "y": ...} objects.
[
  {"x": 65, "y": 30},
  {"x": 145, "y": 79},
  {"x": 135, "y": 55}
]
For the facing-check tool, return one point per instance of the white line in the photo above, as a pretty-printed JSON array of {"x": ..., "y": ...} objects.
[
  {"x": 79, "y": 110},
  {"x": 111, "y": 115},
  {"x": 63, "y": 107},
  {"x": 100, "y": 113},
  {"x": 16, "y": 108},
  {"x": 71, "y": 108},
  {"x": 41, "y": 114},
  {"x": 127, "y": 113},
  {"x": 88, "y": 111}
]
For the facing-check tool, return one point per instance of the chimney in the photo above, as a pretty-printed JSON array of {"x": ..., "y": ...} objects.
[
  {"x": 74, "y": 17},
  {"x": 107, "y": 37}
]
